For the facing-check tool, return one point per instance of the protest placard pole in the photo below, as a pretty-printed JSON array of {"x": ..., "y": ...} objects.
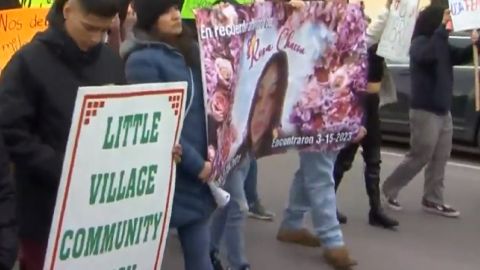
[{"x": 477, "y": 79}]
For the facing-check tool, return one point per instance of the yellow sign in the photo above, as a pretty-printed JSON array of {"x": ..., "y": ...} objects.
[
  {"x": 17, "y": 27},
  {"x": 190, "y": 5},
  {"x": 36, "y": 3}
]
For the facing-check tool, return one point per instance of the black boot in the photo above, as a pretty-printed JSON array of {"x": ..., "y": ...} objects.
[
  {"x": 343, "y": 163},
  {"x": 342, "y": 219},
  {"x": 216, "y": 262},
  {"x": 377, "y": 217}
]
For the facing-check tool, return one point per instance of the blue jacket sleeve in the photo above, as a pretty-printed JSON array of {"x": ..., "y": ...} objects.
[
  {"x": 140, "y": 68},
  {"x": 461, "y": 56},
  {"x": 192, "y": 162}
]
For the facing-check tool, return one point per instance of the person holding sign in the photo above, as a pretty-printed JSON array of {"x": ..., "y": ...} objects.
[
  {"x": 8, "y": 4},
  {"x": 38, "y": 89},
  {"x": 228, "y": 223},
  {"x": 372, "y": 142},
  {"x": 431, "y": 67},
  {"x": 161, "y": 49}
]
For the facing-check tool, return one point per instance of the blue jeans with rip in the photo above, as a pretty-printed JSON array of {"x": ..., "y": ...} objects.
[
  {"x": 228, "y": 223},
  {"x": 313, "y": 189}
]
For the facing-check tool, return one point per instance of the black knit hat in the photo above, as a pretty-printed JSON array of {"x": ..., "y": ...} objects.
[{"x": 148, "y": 11}]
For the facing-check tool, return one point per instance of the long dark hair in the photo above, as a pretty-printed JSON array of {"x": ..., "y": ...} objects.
[
  {"x": 185, "y": 43},
  {"x": 280, "y": 59},
  {"x": 428, "y": 21}
]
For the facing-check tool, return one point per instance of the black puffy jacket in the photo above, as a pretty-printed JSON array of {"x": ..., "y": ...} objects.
[{"x": 38, "y": 88}]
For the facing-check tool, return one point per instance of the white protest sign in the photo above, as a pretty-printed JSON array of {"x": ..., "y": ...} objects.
[
  {"x": 395, "y": 41},
  {"x": 115, "y": 195},
  {"x": 465, "y": 14}
]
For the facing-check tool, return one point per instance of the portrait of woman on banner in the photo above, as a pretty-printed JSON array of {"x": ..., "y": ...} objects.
[{"x": 264, "y": 120}]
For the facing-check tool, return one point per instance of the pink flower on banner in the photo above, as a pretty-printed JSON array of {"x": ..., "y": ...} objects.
[
  {"x": 219, "y": 105},
  {"x": 227, "y": 134},
  {"x": 339, "y": 80},
  {"x": 224, "y": 14},
  {"x": 224, "y": 69}
]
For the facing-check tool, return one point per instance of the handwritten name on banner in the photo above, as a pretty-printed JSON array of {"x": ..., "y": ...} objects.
[
  {"x": 465, "y": 14},
  {"x": 277, "y": 78},
  {"x": 17, "y": 27},
  {"x": 396, "y": 38},
  {"x": 115, "y": 195}
]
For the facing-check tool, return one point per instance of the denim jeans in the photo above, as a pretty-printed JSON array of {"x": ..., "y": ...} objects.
[
  {"x": 313, "y": 189},
  {"x": 193, "y": 235},
  {"x": 228, "y": 223},
  {"x": 251, "y": 184}
]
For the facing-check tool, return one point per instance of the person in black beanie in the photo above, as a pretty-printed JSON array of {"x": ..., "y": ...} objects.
[
  {"x": 162, "y": 49},
  {"x": 431, "y": 128}
]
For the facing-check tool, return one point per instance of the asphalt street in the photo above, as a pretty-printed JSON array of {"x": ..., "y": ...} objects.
[{"x": 422, "y": 242}]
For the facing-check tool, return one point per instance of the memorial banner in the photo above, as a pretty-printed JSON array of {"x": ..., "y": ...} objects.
[
  {"x": 277, "y": 78},
  {"x": 396, "y": 38},
  {"x": 115, "y": 195},
  {"x": 17, "y": 27}
]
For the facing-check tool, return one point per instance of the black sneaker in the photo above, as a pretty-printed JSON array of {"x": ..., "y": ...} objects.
[
  {"x": 216, "y": 262},
  {"x": 440, "y": 209},
  {"x": 257, "y": 211},
  {"x": 393, "y": 204}
]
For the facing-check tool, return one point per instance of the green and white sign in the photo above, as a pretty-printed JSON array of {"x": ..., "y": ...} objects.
[{"x": 115, "y": 195}]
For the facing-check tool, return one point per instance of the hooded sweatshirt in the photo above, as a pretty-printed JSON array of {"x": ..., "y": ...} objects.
[
  {"x": 38, "y": 89},
  {"x": 149, "y": 61},
  {"x": 431, "y": 68}
]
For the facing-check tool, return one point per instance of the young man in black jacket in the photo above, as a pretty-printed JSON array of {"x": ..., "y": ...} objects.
[
  {"x": 431, "y": 65},
  {"x": 38, "y": 88}
]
